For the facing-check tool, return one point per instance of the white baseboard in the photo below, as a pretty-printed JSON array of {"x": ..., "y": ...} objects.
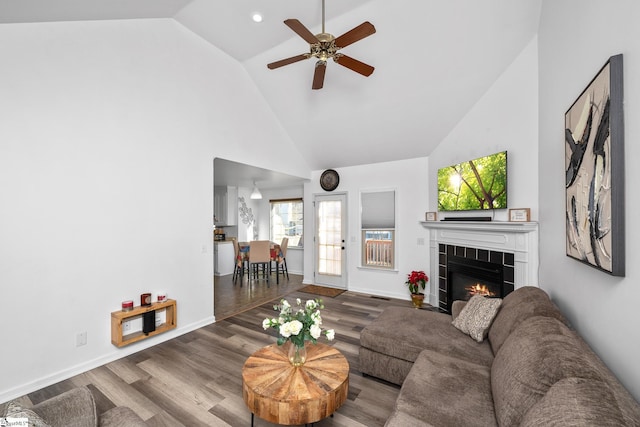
[
  {"x": 378, "y": 293},
  {"x": 72, "y": 371}
]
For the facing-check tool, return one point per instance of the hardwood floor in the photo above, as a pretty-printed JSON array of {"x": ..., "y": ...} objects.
[
  {"x": 195, "y": 379},
  {"x": 231, "y": 298}
]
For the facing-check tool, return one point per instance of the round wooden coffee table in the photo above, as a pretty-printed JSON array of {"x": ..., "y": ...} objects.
[{"x": 281, "y": 393}]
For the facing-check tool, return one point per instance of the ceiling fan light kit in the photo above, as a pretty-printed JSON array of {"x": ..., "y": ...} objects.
[{"x": 324, "y": 46}]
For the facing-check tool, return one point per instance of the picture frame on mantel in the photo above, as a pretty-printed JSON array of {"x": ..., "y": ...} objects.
[
  {"x": 431, "y": 216},
  {"x": 520, "y": 215},
  {"x": 594, "y": 166}
]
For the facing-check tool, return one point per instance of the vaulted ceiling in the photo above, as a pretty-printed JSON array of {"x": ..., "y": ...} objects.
[{"x": 433, "y": 60}]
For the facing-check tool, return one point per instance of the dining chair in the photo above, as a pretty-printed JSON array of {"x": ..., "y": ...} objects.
[
  {"x": 239, "y": 262},
  {"x": 281, "y": 262},
  {"x": 260, "y": 256}
]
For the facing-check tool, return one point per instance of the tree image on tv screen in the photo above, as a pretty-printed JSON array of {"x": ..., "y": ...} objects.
[{"x": 474, "y": 185}]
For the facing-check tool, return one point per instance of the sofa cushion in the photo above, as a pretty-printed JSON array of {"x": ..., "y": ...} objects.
[
  {"x": 628, "y": 406},
  {"x": 518, "y": 306},
  {"x": 73, "y": 408},
  {"x": 476, "y": 316},
  {"x": 383, "y": 366},
  {"x": 447, "y": 391},
  {"x": 403, "y": 332},
  {"x": 456, "y": 308},
  {"x": 576, "y": 401},
  {"x": 538, "y": 354},
  {"x": 15, "y": 410}
]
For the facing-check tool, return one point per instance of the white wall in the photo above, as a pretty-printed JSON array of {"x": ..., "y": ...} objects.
[
  {"x": 505, "y": 118},
  {"x": 576, "y": 38},
  {"x": 409, "y": 179},
  {"x": 108, "y": 135}
]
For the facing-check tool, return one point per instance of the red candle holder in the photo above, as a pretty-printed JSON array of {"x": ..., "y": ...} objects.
[
  {"x": 145, "y": 299},
  {"x": 127, "y": 305}
]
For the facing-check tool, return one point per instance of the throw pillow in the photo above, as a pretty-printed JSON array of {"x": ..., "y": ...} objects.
[
  {"x": 477, "y": 315},
  {"x": 15, "y": 410}
]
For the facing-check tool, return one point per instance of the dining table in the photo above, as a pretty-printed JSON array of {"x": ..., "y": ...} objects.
[{"x": 274, "y": 249}]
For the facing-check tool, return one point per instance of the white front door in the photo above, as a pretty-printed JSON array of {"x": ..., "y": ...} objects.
[{"x": 331, "y": 231}]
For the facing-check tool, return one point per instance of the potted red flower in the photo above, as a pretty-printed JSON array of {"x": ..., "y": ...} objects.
[{"x": 417, "y": 280}]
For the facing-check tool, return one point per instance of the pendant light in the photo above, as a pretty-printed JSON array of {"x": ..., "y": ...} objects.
[{"x": 256, "y": 194}]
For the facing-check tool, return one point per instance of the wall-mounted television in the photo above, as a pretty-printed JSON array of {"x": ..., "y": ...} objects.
[{"x": 476, "y": 184}]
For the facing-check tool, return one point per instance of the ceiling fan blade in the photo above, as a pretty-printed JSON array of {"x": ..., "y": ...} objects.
[
  {"x": 287, "y": 61},
  {"x": 358, "y": 33},
  {"x": 301, "y": 30},
  {"x": 354, "y": 64},
  {"x": 318, "y": 76}
]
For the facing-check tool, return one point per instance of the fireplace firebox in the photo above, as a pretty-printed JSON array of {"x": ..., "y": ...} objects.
[
  {"x": 466, "y": 271},
  {"x": 470, "y": 277}
]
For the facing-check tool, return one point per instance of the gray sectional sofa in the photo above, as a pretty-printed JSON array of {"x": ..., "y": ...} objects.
[
  {"x": 73, "y": 408},
  {"x": 532, "y": 369}
]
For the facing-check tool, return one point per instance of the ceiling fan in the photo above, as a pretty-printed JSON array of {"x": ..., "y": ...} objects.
[{"x": 324, "y": 46}]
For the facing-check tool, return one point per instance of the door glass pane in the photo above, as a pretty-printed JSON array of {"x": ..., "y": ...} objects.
[{"x": 330, "y": 237}]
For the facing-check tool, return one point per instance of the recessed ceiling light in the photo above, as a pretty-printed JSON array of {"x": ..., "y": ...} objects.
[{"x": 257, "y": 17}]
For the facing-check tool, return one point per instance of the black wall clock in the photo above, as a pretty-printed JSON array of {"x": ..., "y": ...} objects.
[{"x": 329, "y": 180}]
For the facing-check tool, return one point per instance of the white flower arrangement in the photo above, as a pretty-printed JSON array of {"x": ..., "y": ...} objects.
[{"x": 299, "y": 325}]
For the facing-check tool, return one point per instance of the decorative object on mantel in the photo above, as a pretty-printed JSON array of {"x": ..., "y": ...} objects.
[
  {"x": 297, "y": 326},
  {"x": 431, "y": 216},
  {"x": 520, "y": 215},
  {"x": 594, "y": 160},
  {"x": 415, "y": 281}
]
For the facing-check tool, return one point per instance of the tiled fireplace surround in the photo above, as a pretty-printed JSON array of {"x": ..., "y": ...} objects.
[{"x": 513, "y": 244}]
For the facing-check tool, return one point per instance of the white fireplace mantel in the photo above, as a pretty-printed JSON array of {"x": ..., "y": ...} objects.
[{"x": 519, "y": 238}]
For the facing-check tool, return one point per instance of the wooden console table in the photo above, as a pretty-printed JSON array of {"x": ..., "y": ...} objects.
[{"x": 281, "y": 393}]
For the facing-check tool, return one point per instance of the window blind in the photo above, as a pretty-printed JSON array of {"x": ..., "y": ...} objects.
[{"x": 378, "y": 209}]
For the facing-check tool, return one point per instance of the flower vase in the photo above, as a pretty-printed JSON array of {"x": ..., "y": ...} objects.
[
  {"x": 297, "y": 355},
  {"x": 417, "y": 300}
]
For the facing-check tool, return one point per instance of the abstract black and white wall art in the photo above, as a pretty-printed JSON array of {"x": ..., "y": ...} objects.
[{"x": 594, "y": 164}]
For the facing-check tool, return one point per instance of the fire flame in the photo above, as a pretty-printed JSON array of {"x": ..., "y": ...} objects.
[{"x": 479, "y": 289}]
